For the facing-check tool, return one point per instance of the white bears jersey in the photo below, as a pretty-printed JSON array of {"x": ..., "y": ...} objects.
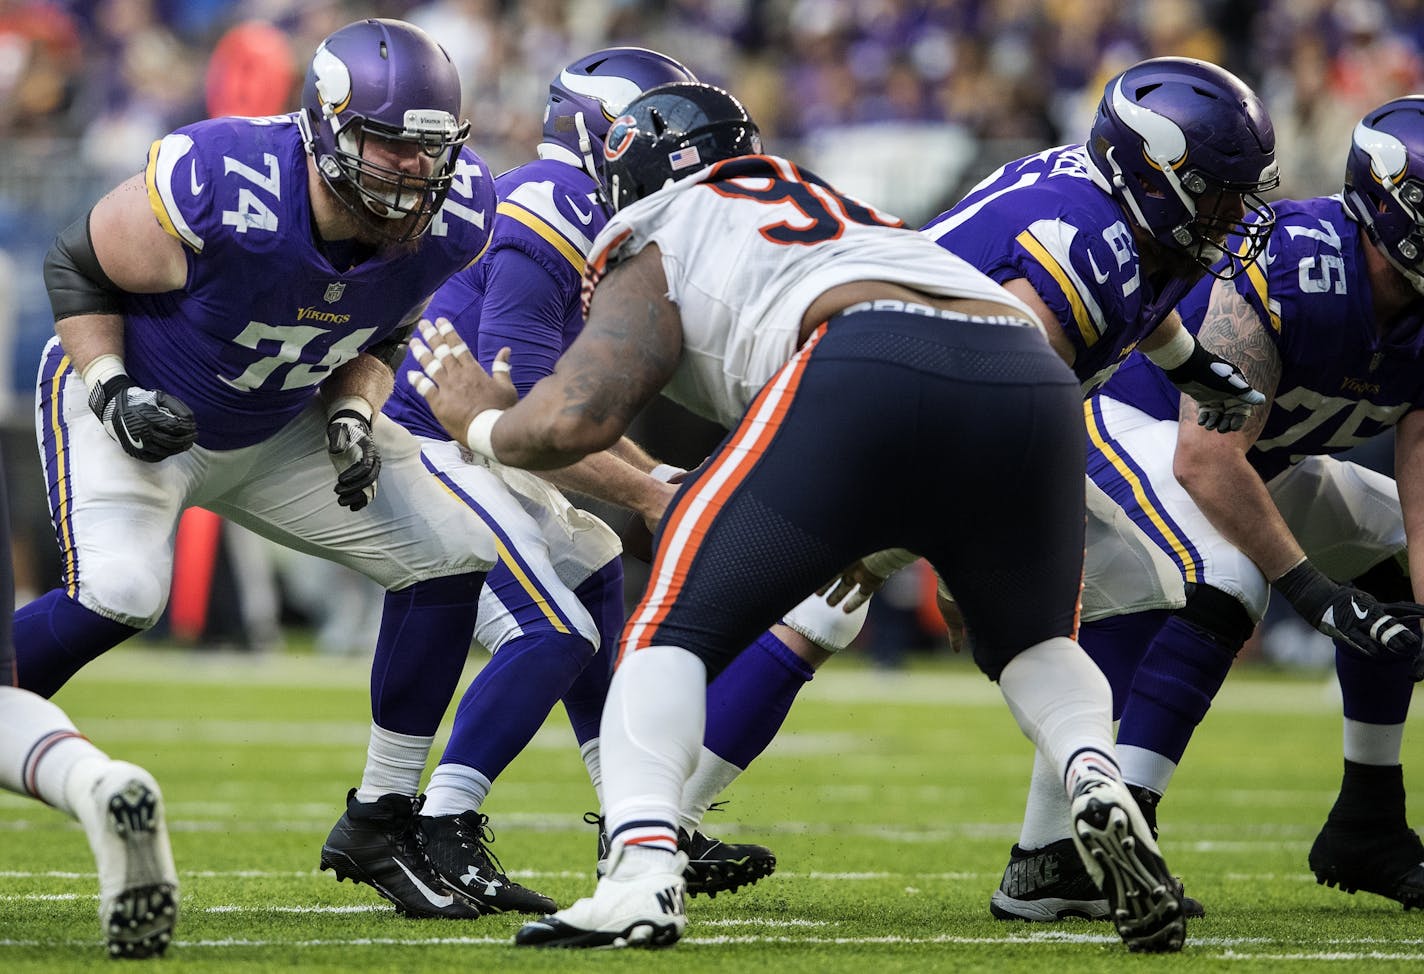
[{"x": 747, "y": 245}]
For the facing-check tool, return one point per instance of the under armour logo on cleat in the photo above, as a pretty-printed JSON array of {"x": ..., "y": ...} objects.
[{"x": 472, "y": 877}]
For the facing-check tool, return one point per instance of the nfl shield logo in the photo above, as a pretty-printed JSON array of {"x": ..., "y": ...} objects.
[{"x": 334, "y": 291}]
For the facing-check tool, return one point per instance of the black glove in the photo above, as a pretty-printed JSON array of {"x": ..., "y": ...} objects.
[
  {"x": 149, "y": 425},
  {"x": 1224, "y": 397},
  {"x": 355, "y": 456},
  {"x": 1381, "y": 630}
]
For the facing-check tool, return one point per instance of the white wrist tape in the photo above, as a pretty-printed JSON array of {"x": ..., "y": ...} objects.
[
  {"x": 101, "y": 370},
  {"x": 665, "y": 472},
  {"x": 356, "y": 404},
  {"x": 478, "y": 433},
  {"x": 826, "y": 625},
  {"x": 1175, "y": 352}
]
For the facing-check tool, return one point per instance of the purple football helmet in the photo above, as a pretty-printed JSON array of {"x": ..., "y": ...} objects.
[
  {"x": 380, "y": 110},
  {"x": 590, "y": 93},
  {"x": 1384, "y": 183},
  {"x": 1177, "y": 141}
]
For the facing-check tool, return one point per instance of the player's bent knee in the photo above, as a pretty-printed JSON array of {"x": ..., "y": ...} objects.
[
  {"x": 1219, "y": 614},
  {"x": 125, "y": 594}
]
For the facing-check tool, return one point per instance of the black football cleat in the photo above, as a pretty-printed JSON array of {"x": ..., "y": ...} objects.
[
  {"x": 375, "y": 843},
  {"x": 454, "y": 845},
  {"x": 714, "y": 866},
  {"x": 1048, "y": 884},
  {"x": 1386, "y": 862},
  {"x": 1116, "y": 846}
]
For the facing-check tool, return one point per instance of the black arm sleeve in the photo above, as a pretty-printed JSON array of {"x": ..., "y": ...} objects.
[
  {"x": 75, "y": 280},
  {"x": 391, "y": 349}
]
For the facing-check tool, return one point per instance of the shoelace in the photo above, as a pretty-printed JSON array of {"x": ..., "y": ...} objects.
[{"x": 477, "y": 835}]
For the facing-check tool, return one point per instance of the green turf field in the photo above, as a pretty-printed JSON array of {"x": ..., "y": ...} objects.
[{"x": 891, "y": 801}]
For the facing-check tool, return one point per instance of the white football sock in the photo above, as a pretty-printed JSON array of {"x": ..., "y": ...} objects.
[
  {"x": 1046, "y": 810},
  {"x": 593, "y": 762},
  {"x": 1146, "y": 769},
  {"x": 1061, "y": 701},
  {"x": 709, "y": 779},
  {"x": 394, "y": 764},
  {"x": 650, "y": 738},
  {"x": 1377, "y": 744},
  {"x": 40, "y": 748},
  {"x": 453, "y": 789}
]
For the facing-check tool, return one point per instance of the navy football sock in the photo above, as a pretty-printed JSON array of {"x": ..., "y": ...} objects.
[
  {"x": 508, "y": 700},
  {"x": 602, "y": 595},
  {"x": 55, "y": 636},
  {"x": 1118, "y": 645},
  {"x": 425, "y": 636},
  {"x": 749, "y": 700},
  {"x": 1173, "y": 689},
  {"x": 1374, "y": 691}
]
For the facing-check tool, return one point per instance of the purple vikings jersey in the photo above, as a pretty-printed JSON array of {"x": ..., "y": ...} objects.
[
  {"x": 1043, "y": 218},
  {"x": 264, "y": 316},
  {"x": 525, "y": 293},
  {"x": 1341, "y": 383}
]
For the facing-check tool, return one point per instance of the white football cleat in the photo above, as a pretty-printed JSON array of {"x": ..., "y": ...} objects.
[
  {"x": 122, "y": 814},
  {"x": 1116, "y": 845},
  {"x": 638, "y": 911}
]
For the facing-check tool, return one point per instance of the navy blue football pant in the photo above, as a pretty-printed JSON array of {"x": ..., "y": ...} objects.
[{"x": 960, "y": 440}]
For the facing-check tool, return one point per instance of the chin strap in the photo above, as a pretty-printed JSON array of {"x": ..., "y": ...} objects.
[{"x": 585, "y": 144}]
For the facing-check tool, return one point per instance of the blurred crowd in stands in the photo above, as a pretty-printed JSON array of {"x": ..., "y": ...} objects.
[{"x": 904, "y": 103}]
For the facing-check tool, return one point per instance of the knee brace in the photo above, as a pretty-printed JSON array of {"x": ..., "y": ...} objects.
[
  {"x": 1218, "y": 615},
  {"x": 1387, "y": 582}
]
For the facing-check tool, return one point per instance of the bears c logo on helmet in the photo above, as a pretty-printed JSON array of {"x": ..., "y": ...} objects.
[{"x": 620, "y": 136}]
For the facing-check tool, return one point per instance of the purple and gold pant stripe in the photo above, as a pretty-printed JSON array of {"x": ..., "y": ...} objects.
[
  {"x": 1119, "y": 476},
  {"x": 512, "y": 581}
]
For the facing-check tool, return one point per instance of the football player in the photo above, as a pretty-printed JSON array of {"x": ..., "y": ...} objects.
[
  {"x": 226, "y": 323},
  {"x": 119, "y": 804},
  {"x": 555, "y": 597},
  {"x": 1328, "y": 326},
  {"x": 1102, "y": 240},
  {"x": 840, "y": 348}
]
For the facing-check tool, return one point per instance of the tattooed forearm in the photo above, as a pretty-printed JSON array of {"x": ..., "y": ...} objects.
[{"x": 1233, "y": 330}]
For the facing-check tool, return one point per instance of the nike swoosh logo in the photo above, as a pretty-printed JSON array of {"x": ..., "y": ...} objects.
[
  {"x": 1359, "y": 613},
  {"x": 434, "y": 898},
  {"x": 584, "y": 218},
  {"x": 135, "y": 440},
  {"x": 1092, "y": 262},
  {"x": 193, "y": 179}
]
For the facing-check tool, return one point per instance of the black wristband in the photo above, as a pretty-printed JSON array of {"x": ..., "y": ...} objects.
[
  {"x": 348, "y": 414},
  {"x": 1307, "y": 589}
]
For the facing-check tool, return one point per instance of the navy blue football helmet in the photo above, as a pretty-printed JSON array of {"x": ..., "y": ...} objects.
[
  {"x": 590, "y": 93},
  {"x": 384, "y": 81},
  {"x": 671, "y": 132},
  {"x": 1177, "y": 141},
  {"x": 1384, "y": 183}
]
